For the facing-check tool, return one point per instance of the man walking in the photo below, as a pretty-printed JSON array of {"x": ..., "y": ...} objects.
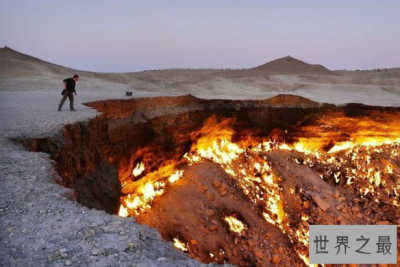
[{"x": 69, "y": 91}]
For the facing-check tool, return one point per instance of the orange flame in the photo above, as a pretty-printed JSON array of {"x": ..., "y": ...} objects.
[
  {"x": 180, "y": 245},
  {"x": 123, "y": 212},
  {"x": 138, "y": 170},
  {"x": 235, "y": 225},
  {"x": 346, "y": 161}
]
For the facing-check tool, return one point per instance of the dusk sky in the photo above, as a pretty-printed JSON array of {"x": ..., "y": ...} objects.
[{"x": 122, "y": 35}]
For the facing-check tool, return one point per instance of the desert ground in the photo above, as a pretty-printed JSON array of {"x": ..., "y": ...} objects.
[{"x": 40, "y": 224}]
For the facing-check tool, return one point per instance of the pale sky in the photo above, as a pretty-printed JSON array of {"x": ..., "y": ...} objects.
[{"x": 129, "y": 35}]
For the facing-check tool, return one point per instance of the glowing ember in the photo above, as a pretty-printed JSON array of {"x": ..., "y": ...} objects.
[
  {"x": 138, "y": 170},
  {"x": 234, "y": 224},
  {"x": 180, "y": 245},
  {"x": 175, "y": 176},
  {"x": 145, "y": 196},
  {"x": 123, "y": 212}
]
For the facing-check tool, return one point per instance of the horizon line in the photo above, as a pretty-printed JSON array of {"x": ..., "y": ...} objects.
[{"x": 194, "y": 69}]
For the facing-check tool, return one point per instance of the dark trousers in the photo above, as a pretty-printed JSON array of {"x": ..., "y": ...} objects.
[{"x": 71, "y": 99}]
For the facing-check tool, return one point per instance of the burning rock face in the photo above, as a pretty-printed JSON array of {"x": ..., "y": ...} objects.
[{"x": 239, "y": 182}]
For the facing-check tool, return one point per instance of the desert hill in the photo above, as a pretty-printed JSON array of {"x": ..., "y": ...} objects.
[
  {"x": 16, "y": 64},
  {"x": 291, "y": 66}
]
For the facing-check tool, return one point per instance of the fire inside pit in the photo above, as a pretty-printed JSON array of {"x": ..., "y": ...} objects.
[{"x": 235, "y": 181}]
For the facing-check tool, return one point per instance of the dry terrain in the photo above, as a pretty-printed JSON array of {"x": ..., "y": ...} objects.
[{"x": 286, "y": 75}]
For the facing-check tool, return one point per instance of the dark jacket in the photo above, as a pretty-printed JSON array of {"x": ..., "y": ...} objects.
[{"x": 70, "y": 85}]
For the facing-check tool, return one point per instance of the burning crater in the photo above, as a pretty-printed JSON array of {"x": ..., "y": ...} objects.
[{"x": 234, "y": 181}]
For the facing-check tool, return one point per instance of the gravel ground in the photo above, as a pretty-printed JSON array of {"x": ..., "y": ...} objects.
[{"x": 39, "y": 225}]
